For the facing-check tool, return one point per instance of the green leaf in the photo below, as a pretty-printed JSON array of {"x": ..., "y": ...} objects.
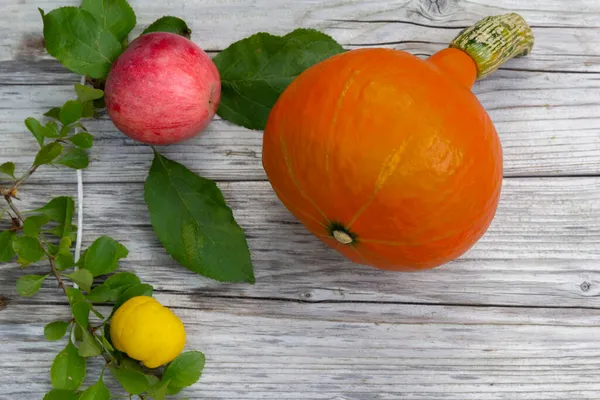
[
  {"x": 106, "y": 343},
  {"x": 89, "y": 347},
  {"x": 99, "y": 103},
  {"x": 83, "y": 278},
  {"x": 64, "y": 261},
  {"x": 56, "y": 330},
  {"x": 83, "y": 140},
  {"x": 131, "y": 292},
  {"x": 159, "y": 390},
  {"x": 170, "y": 24},
  {"x": 86, "y": 93},
  {"x": 8, "y": 168},
  {"x": 184, "y": 371},
  {"x": 61, "y": 394},
  {"x": 27, "y": 249},
  {"x": 81, "y": 313},
  {"x": 7, "y": 252},
  {"x": 75, "y": 296},
  {"x": 70, "y": 112},
  {"x": 98, "y": 391},
  {"x": 65, "y": 245},
  {"x": 28, "y": 285},
  {"x": 133, "y": 382},
  {"x": 122, "y": 279},
  {"x": 75, "y": 38},
  {"x": 256, "y": 70},
  {"x": 65, "y": 131},
  {"x": 88, "y": 109},
  {"x": 75, "y": 158},
  {"x": 99, "y": 294},
  {"x": 115, "y": 16},
  {"x": 37, "y": 130},
  {"x": 52, "y": 130},
  {"x": 63, "y": 230},
  {"x": 53, "y": 113},
  {"x": 48, "y": 153},
  {"x": 194, "y": 224},
  {"x": 102, "y": 256},
  {"x": 59, "y": 209},
  {"x": 33, "y": 225},
  {"x": 68, "y": 369}
]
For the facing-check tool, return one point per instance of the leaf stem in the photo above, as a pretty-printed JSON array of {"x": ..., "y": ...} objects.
[
  {"x": 22, "y": 179},
  {"x": 14, "y": 209},
  {"x": 61, "y": 283}
]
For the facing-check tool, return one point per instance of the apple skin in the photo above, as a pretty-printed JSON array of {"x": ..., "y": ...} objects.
[{"x": 163, "y": 89}]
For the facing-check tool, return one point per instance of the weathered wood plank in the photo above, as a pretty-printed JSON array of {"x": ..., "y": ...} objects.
[
  {"x": 421, "y": 26},
  {"x": 543, "y": 249},
  {"x": 417, "y": 353},
  {"x": 548, "y": 124}
]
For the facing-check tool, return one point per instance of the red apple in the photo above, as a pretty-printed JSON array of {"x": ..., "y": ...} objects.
[{"x": 163, "y": 89}]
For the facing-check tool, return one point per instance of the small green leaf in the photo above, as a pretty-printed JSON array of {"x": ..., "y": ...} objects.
[
  {"x": 59, "y": 209},
  {"x": 184, "y": 371},
  {"x": 64, "y": 261},
  {"x": 56, "y": 330},
  {"x": 83, "y": 278},
  {"x": 75, "y": 158},
  {"x": 65, "y": 130},
  {"x": 29, "y": 285},
  {"x": 98, "y": 391},
  {"x": 99, "y": 294},
  {"x": 83, "y": 140},
  {"x": 131, "y": 292},
  {"x": 63, "y": 230},
  {"x": 88, "y": 109},
  {"x": 8, "y": 168},
  {"x": 102, "y": 256},
  {"x": 194, "y": 224},
  {"x": 115, "y": 16},
  {"x": 70, "y": 112},
  {"x": 106, "y": 343},
  {"x": 53, "y": 113},
  {"x": 65, "y": 245},
  {"x": 133, "y": 382},
  {"x": 122, "y": 279},
  {"x": 89, "y": 347},
  {"x": 33, "y": 225},
  {"x": 170, "y": 24},
  {"x": 75, "y": 296},
  {"x": 27, "y": 249},
  {"x": 48, "y": 153},
  {"x": 75, "y": 38},
  {"x": 256, "y": 70},
  {"x": 78, "y": 333},
  {"x": 81, "y": 313},
  {"x": 86, "y": 93},
  {"x": 7, "y": 252},
  {"x": 68, "y": 369},
  {"x": 52, "y": 130},
  {"x": 36, "y": 129},
  {"x": 97, "y": 313},
  {"x": 61, "y": 394},
  {"x": 159, "y": 390}
]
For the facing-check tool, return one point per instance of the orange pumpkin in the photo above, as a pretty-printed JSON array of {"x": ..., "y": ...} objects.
[{"x": 391, "y": 159}]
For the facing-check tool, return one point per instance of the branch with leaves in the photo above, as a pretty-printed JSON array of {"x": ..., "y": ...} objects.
[{"x": 47, "y": 233}]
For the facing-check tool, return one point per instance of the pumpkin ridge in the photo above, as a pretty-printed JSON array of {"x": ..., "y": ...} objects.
[
  {"x": 387, "y": 170},
  {"x": 293, "y": 208}
]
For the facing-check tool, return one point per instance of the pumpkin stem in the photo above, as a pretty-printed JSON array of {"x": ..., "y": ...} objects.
[{"x": 494, "y": 40}]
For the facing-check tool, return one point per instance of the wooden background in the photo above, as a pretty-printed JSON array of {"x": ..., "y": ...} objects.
[{"x": 518, "y": 317}]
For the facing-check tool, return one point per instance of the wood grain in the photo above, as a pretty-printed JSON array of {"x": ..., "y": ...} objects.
[
  {"x": 425, "y": 352},
  {"x": 542, "y": 249},
  {"x": 548, "y": 124},
  {"x": 516, "y": 318}
]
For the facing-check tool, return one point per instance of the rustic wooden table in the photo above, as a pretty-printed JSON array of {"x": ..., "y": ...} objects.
[{"x": 515, "y": 318}]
